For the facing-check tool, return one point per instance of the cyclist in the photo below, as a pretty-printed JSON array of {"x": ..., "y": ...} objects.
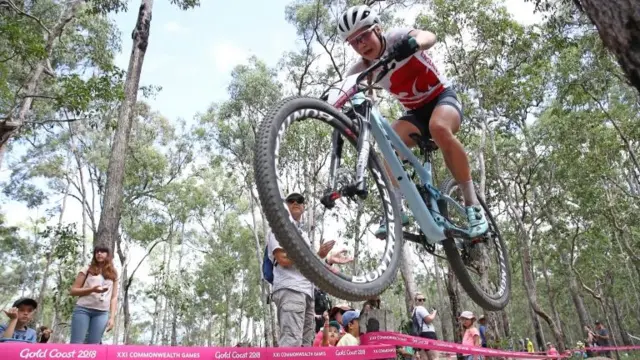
[{"x": 432, "y": 106}]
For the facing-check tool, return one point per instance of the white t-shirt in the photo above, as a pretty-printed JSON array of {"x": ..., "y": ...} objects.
[
  {"x": 288, "y": 278},
  {"x": 414, "y": 81},
  {"x": 420, "y": 312},
  {"x": 348, "y": 340}
]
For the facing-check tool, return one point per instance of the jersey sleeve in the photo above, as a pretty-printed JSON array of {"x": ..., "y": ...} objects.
[{"x": 393, "y": 36}]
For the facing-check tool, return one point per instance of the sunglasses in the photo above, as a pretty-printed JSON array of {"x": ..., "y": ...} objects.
[
  {"x": 361, "y": 38},
  {"x": 420, "y": 300},
  {"x": 296, "y": 200}
]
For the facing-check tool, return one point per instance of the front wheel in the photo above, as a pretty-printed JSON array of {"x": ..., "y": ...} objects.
[
  {"x": 489, "y": 289},
  {"x": 270, "y": 139}
]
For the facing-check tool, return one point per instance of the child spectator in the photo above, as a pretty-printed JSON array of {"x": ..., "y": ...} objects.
[
  {"x": 20, "y": 315},
  {"x": 471, "y": 335},
  {"x": 330, "y": 332},
  {"x": 96, "y": 287},
  {"x": 352, "y": 327}
]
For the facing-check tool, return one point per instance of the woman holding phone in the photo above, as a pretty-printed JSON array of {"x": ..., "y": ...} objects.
[{"x": 96, "y": 287}]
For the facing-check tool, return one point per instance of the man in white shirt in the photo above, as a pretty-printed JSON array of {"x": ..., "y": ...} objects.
[{"x": 292, "y": 293}]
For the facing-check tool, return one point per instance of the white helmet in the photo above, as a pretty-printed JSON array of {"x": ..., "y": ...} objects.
[{"x": 355, "y": 18}]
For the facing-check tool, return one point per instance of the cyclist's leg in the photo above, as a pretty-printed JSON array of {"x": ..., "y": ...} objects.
[{"x": 444, "y": 123}]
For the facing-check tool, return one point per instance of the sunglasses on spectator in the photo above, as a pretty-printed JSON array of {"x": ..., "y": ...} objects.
[
  {"x": 296, "y": 200},
  {"x": 420, "y": 300}
]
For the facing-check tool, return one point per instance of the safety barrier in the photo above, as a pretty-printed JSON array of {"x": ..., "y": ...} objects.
[
  {"x": 22, "y": 351},
  {"x": 389, "y": 338},
  {"x": 379, "y": 345}
]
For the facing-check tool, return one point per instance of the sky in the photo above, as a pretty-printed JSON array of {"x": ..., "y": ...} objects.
[{"x": 191, "y": 54}]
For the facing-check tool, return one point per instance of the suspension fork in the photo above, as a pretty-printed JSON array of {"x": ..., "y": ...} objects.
[{"x": 363, "y": 146}]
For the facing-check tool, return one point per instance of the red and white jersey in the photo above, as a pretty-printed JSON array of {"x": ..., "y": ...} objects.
[{"x": 414, "y": 81}]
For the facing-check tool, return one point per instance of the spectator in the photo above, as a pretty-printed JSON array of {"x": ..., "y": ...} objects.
[
  {"x": 471, "y": 335},
  {"x": 482, "y": 321},
  {"x": 292, "y": 293},
  {"x": 424, "y": 320},
  {"x": 335, "y": 314},
  {"x": 352, "y": 327},
  {"x": 373, "y": 303},
  {"x": 330, "y": 331},
  {"x": 96, "y": 287},
  {"x": 551, "y": 350},
  {"x": 44, "y": 334},
  {"x": 20, "y": 315},
  {"x": 601, "y": 336},
  {"x": 530, "y": 347}
]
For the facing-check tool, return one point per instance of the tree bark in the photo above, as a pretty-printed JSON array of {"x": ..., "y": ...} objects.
[
  {"x": 618, "y": 23},
  {"x": 112, "y": 207},
  {"x": 406, "y": 269},
  {"x": 578, "y": 302},
  {"x": 443, "y": 327}
]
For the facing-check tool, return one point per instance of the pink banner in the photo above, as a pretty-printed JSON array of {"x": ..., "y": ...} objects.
[
  {"x": 389, "y": 338},
  {"x": 23, "y": 351}
]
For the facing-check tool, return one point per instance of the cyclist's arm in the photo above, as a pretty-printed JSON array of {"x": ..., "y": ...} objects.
[
  {"x": 356, "y": 68},
  {"x": 425, "y": 39}
]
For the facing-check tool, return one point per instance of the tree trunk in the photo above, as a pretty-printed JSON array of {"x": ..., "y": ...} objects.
[
  {"x": 578, "y": 302},
  {"x": 53, "y": 244},
  {"x": 406, "y": 269},
  {"x": 13, "y": 124},
  {"x": 618, "y": 23},
  {"x": 112, "y": 207},
  {"x": 443, "y": 328},
  {"x": 537, "y": 329},
  {"x": 454, "y": 299},
  {"x": 505, "y": 323},
  {"x": 551, "y": 295},
  {"x": 623, "y": 332}
]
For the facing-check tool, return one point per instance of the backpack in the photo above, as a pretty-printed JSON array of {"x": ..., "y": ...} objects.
[
  {"x": 267, "y": 266},
  {"x": 416, "y": 327},
  {"x": 322, "y": 301}
]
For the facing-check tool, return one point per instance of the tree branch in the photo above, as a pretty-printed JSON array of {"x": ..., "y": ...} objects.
[{"x": 20, "y": 12}]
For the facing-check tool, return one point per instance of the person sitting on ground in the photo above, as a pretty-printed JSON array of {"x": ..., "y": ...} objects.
[
  {"x": 20, "y": 314},
  {"x": 352, "y": 326},
  {"x": 471, "y": 335}
]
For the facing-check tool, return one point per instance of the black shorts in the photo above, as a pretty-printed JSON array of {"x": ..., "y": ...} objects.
[
  {"x": 420, "y": 117},
  {"x": 429, "y": 335}
]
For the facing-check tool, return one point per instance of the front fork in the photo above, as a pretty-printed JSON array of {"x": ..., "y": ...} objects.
[{"x": 359, "y": 187}]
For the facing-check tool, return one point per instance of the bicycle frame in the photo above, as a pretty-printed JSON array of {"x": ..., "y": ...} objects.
[{"x": 435, "y": 227}]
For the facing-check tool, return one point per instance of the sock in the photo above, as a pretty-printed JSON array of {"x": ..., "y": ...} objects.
[{"x": 469, "y": 193}]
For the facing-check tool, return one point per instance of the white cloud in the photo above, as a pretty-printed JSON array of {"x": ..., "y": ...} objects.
[
  {"x": 226, "y": 56},
  {"x": 175, "y": 27}
]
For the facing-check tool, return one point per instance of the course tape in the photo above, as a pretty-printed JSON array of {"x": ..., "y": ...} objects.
[
  {"x": 22, "y": 351},
  {"x": 389, "y": 338}
]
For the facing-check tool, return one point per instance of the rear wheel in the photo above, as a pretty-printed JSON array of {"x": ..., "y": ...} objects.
[
  {"x": 359, "y": 285},
  {"x": 471, "y": 261}
]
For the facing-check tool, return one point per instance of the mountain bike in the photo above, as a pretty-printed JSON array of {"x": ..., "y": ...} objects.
[{"x": 429, "y": 205}]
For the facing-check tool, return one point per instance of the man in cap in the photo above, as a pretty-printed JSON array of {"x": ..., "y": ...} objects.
[
  {"x": 19, "y": 316},
  {"x": 292, "y": 293},
  {"x": 483, "y": 330},
  {"x": 352, "y": 327},
  {"x": 601, "y": 336}
]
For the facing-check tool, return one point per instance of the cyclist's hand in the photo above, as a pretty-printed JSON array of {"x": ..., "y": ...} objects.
[{"x": 405, "y": 48}]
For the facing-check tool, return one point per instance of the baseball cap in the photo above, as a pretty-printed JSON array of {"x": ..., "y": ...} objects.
[
  {"x": 25, "y": 301},
  {"x": 295, "y": 196},
  {"x": 467, "y": 315},
  {"x": 340, "y": 307},
  {"x": 349, "y": 316}
]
